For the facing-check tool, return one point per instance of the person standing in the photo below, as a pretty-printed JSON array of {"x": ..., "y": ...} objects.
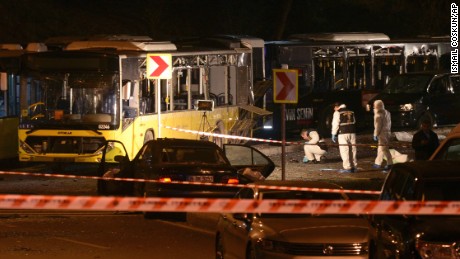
[
  {"x": 315, "y": 148},
  {"x": 382, "y": 134},
  {"x": 344, "y": 130},
  {"x": 425, "y": 141}
]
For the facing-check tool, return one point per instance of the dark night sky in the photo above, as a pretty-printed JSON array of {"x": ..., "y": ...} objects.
[{"x": 33, "y": 21}]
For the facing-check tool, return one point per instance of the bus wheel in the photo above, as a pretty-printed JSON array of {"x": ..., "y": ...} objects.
[{"x": 148, "y": 136}]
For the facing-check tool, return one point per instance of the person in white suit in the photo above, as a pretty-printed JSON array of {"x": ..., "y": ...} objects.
[
  {"x": 315, "y": 148},
  {"x": 382, "y": 135},
  {"x": 344, "y": 130}
]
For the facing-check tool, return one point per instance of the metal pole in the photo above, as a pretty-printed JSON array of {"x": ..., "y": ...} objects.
[
  {"x": 283, "y": 141},
  {"x": 158, "y": 83}
]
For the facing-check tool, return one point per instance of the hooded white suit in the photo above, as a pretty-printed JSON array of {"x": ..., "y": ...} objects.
[{"x": 382, "y": 129}]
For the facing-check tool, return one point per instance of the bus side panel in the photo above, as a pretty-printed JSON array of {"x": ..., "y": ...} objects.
[
  {"x": 9, "y": 142},
  {"x": 196, "y": 121}
]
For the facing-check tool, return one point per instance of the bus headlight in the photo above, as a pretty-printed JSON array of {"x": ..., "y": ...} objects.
[
  {"x": 406, "y": 107},
  {"x": 27, "y": 148}
]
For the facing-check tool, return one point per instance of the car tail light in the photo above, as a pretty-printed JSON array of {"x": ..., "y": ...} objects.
[
  {"x": 233, "y": 181},
  {"x": 165, "y": 179}
]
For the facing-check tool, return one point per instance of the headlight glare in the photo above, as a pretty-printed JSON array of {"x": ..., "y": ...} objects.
[
  {"x": 437, "y": 250},
  {"x": 406, "y": 107}
]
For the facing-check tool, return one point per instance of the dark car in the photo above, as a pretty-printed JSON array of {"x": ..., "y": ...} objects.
[
  {"x": 180, "y": 160},
  {"x": 449, "y": 148},
  {"x": 271, "y": 235},
  {"x": 414, "y": 97},
  {"x": 419, "y": 236}
]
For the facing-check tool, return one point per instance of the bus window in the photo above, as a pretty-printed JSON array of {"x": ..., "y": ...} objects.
[
  {"x": 2, "y": 104},
  {"x": 422, "y": 58},
  {"x": 328, "y": 67},
  {"x": 359, "y": 68}
]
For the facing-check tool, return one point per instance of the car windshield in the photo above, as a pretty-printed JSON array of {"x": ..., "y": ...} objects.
[
  {"x": 450, "y": 151},
  {"x": 441, "y": 191},
  {"x": 408, "y": 84},
  {"x": 298, "y": 195},
  {"x": 193, "y": 155}
]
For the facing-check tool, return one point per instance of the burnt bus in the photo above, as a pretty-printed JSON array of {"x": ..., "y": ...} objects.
[{"x": 341, "y": 67}]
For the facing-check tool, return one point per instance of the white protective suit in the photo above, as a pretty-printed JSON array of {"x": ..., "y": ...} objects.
[
  {"x": 312, "y": 149},
  {"x": 346, "y": 139},
  {"x": 382, "y": 129}
]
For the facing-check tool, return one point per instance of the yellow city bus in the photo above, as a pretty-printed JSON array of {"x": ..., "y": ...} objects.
[
  {"x": 9, "y": 110},
  {"x": 73, "y": 100},
  {"x": 10, "y": 59}
]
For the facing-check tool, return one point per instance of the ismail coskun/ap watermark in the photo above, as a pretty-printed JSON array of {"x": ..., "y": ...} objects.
[{"x": 454, "y": 38}]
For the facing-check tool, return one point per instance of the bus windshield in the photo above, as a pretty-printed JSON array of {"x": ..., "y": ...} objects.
[
  {"x": 409, "y": 84},
  {"x": 74, "y": 98}
]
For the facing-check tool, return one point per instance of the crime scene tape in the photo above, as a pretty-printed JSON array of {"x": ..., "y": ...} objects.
[
  {"x": 225, "y": 136},
  {"x": 189, "y": 182},
  {"x": 89, "y": 203}
]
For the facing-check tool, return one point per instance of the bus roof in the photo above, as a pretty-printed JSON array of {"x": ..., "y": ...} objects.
[
  {"x": 342, "y": 36},
  {"x": 122, "y": 45},
  {"x": 10, "y": 46}
]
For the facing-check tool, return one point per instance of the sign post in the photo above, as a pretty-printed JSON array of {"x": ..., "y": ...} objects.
[
  {"x": 285, "y": 90},
  {"x": 159, "y": 66}
]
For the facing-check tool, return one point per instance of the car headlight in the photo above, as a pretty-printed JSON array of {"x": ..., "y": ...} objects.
[
  {"x": 406, "y": 107},
  {"x": 438, "y": 250}
]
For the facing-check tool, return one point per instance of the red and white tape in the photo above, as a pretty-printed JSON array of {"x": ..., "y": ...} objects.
[
  {"x": 225, "y": 136},
  {"x": 88, "y": 203},
  {"x": 188, "y": 182}
]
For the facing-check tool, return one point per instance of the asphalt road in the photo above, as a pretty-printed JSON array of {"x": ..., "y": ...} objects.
[{"x": 64, "y": 234}]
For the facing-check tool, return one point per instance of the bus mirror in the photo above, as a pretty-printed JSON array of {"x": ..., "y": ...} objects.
[{"x": 3, "y": 81}]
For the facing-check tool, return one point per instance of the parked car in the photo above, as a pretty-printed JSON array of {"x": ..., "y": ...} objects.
[
  {"x": 419, "y": 236},
  {"x": 170, "y": 160},
  {"x": 265, "y": 235},
  {"x": 449, "y": 148},
  {"x": 414, "y": 97}
]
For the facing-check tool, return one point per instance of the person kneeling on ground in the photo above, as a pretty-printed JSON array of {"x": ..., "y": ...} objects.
[{"x": 315, "y": 148}]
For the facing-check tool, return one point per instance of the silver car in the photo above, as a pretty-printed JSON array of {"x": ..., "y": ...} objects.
[{"x": 268, "y": 235}]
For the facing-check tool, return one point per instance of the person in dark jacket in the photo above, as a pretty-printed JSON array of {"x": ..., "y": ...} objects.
[{"x": 425, "y": 141}]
